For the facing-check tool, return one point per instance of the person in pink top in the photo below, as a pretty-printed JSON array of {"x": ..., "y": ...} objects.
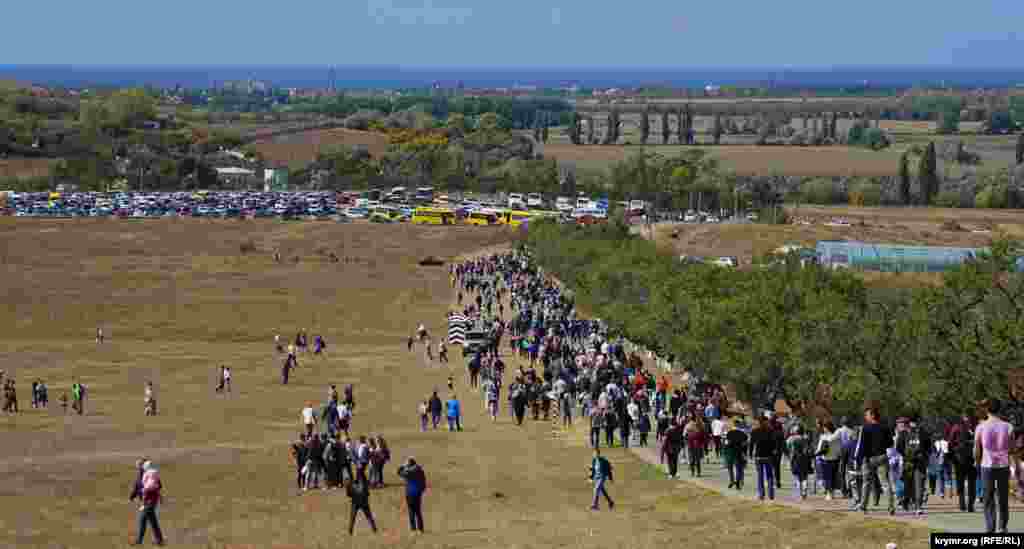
[{"x": 992, "y": 452}]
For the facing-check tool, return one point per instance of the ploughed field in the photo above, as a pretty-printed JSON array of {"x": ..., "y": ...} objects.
[{"x": 178, "y": 298}]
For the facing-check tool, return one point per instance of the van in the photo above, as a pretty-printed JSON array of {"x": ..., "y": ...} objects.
[
  {"x": 433, "y": 216},
  {"x": 534, "y": 200},
  {"x": 515, "y": 200},
  {"x": 482, "y": 218}
]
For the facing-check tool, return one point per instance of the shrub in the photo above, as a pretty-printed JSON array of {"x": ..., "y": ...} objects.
[
  {"x": 947, "y": 199},
  {"x": 991, "y": 197}
]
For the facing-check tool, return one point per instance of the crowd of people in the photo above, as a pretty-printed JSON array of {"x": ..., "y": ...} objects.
[{"x": 587, "y": 372}]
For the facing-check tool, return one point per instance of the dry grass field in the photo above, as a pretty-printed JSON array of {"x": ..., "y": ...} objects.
[
  {"x": 25, "y": 167},
  {"x": 748, "y": 160},
  {"x": 915, "y": 226},
  {"x": 178, "y": 299},
  {"x": 302, "y": 148}
]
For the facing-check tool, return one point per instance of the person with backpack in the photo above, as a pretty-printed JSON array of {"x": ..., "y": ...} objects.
[
  {"x": 798, "y": 446},
  {"x": 961, "y": 452},
  {"x": 600, "y": 473},
  {"x": 915, "y": 444}
]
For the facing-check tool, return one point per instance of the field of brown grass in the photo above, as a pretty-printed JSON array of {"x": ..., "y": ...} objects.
[
  {"x": 177, "y": 300},
  {"x": 913, "y": 226},
  {"x": 25, "y": 167},
  {"x": 302, "y": 148},
  {"x": 748, "y": 160}
]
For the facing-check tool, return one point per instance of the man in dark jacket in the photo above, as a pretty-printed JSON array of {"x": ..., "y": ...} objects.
[
  {"x": 914, "y": 444},
  {"x": 600, "y": 473},
  {"x": 870, "y": 456},
  {"x": 671, "y": 445},
  {"x": 300, "y": 454},
  {"x": 359, "y": 492},
  {"x": 435, "y": 409},
  {"x": 415, "y": 486},
  {"x": 137, "y": 487}
]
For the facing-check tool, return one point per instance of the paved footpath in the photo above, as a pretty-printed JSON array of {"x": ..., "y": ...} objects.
[{"x": 941, "y": 514}]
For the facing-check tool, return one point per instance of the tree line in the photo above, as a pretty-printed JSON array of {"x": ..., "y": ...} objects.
[{"x": 818, "y": 339}]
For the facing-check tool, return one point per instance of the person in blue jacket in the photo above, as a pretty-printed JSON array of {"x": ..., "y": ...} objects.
[
  {"x": 454, "y": 414},
  {"x": 415, "y": 486}
]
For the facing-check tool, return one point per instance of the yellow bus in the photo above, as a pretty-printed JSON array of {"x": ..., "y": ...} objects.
[
  {"x": 433, "y": 216},
  {"x": 513, "y": 218},
  {"x": 481, "y": 218}
]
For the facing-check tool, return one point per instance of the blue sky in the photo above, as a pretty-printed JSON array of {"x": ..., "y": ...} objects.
[{"x": 520, "y": 33}]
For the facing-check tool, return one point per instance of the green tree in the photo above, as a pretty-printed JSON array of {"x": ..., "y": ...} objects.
[
  {"x": 645, "y": 125},
  {"x": 666, "y": 131},
  {"x": 949, "y": 121},
  {"x": 927, "y": 174},
  {"x": 904, "y": 180}
]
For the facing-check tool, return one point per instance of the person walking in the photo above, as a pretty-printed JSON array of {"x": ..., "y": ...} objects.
[
  {"x": 442, "y": 352},
  {"x": 800, "y": 460},
  {"x": 151, "y": 497},
  {"x": 150, "y": 400},
  {"x": 600, "y": 473},
  {"x": 830, "y": 451},
  {"x": 992, "y": 451},
  {"x": 454, "y": 409},
  {"x": 671, "y": 445},
  {"x": 225, "y": 375},
  {"x": 763, "y": 448},
  {"x": 871, "y": 457},
  {"x": 847, "y": 441},
  {"x": 359, "y": 492},
  {"x": 696, "y": 441},
  {"x": 596, "y": 424},
  {"x": 415, "y": 487},
  {"x": 435, "y": 409},
  {"x": 309, "y": 419},
  {"x": 734, "y": 453},
  {"x": 914, "y": 444},
  {"x": 965, "y": 467},
  {"x": 424, "y": 411}
]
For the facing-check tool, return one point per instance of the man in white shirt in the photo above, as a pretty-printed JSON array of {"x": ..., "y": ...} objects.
[
  {"x": 718, "y": 430},
  {"x": 309, "y": 418}
]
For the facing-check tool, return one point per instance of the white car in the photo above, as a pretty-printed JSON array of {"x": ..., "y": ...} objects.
[
  {"x": 711, "y": 219},
  {"x": 515, "y": 200},
  {"x": 729, "y": 262},
  {"x": 690, "y": 218},
  {"x": 534, "y": 200}
]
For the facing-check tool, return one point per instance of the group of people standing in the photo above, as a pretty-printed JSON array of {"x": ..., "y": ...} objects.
[{"x": 40, "y": 396}]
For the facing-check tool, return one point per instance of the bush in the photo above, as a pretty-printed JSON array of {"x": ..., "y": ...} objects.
[
  {"x": 991, "y": 197},
  {"x": 823, "y": 191},
  {"x": 947, "y": 199}
]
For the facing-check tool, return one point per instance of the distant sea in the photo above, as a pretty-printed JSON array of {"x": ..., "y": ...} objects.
[{"x": 393, "y": 77}]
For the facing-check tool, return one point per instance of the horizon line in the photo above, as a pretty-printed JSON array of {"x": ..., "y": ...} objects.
[{"x": 617, "y": 68}]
